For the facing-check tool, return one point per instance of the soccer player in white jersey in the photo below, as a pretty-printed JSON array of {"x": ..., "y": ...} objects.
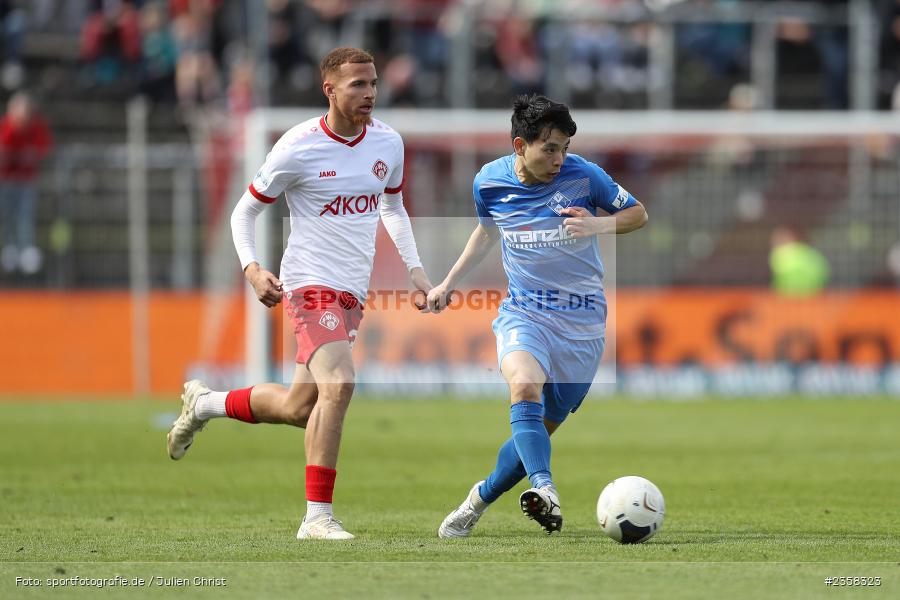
[
  {"x": 339, "y": 174},
  {"x": 543, "y": 204}
]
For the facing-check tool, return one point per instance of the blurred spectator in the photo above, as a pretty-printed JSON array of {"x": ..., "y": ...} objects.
[
  {"x": 798, "y": 269},
  {"x": 519, "y": 53},
  {"x": 13, "y": 24},
  {"x": 830, "y": 43},
  {"x": 428, "y": 46},
  {"x": 399, "y": 79},
  {"x": 197, "y": 79},
  {"x": 159, "y": 54},
  {"x": 889, "y": 17},
  {"x": 25, "y": 140},
  {"x": 595, "y": 54},
  {"x": 723, "y": 47},
  {"x": 111, "y": 40},
  {"x": 286, "y": 51},
  {"x": 61, "y": 15},
  {"x": 331, "y": 25}
]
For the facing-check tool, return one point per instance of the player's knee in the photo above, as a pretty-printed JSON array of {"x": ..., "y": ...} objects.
[
  {"x": 337, "y": 391},
  {"x": 523, "y": 391},
  {"x": 298, "y": 414}
]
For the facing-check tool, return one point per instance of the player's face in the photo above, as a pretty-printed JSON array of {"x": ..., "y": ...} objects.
[
  {"x": 545, "y": 156},
  {"x": 354, "y": 89}
]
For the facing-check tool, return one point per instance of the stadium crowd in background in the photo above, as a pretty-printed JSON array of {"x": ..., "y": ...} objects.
[
  {"x": 186, "y": 49},
  {"x": 204, "y": 64}
]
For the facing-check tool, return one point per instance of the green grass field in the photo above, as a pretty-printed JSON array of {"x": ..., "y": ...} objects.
[{"x": 764, "y": 499}]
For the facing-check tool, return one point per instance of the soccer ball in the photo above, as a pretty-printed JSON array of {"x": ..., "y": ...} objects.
[{"x": 630, "y": 510}]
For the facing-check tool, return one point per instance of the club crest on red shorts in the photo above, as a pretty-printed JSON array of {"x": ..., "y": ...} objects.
[
  {"x": 380, "y": 169},
  {"x": 329, "y": 320}
]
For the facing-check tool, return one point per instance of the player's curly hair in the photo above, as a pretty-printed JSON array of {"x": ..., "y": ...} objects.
[
  {"x": 333, "y": 60},
  {"x": 534, "y": 116}
]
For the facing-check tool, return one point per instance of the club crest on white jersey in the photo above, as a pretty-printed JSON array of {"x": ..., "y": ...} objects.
[
  {"x": 329, "y": 320},
  {"x": 380, "y": 169}
]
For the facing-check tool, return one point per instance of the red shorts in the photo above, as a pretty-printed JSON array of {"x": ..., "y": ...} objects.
[{"x": 320, "y": 315}]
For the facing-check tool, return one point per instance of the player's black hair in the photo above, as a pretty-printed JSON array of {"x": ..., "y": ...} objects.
[{"x": 533, "y": 115}]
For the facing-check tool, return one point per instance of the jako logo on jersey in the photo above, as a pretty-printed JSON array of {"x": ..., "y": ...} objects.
[
  {"x": 558, "y": 202},
  {"x": 380, "y": 169},
  {"x": 327, "y": 174},
  {"x": 329, "y": 320},
  {"x": 537, "y": 238},
  {"x": 351, "y": 205}
]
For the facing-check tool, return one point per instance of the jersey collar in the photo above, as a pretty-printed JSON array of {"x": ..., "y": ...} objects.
[{"x": 338, "y": 138}]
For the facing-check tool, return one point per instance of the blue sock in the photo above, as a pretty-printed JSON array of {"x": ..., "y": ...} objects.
[
  {"x": 532, "y": 441},
  {"x": 508, "y": 472}
]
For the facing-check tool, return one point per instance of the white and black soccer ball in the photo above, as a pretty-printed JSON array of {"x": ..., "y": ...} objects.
[{"x": 631, "y": 509}]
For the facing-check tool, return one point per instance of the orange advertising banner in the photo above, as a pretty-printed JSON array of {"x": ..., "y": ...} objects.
[{"x": 80, "y": 342}]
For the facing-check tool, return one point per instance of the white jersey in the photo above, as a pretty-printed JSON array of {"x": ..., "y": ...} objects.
[{"x": 333, "y": 188}]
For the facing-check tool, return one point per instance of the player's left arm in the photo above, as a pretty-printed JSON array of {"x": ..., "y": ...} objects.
[
  {"x": 396, "y": 222},
  {"x": 581, "y": 223},
  {"x": 622, "y": 213}
]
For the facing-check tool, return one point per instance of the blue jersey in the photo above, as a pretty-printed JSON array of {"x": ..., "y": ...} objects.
[{"x": 554, "y": 279}]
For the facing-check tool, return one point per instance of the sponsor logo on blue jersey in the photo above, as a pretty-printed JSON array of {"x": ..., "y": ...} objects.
[{"x": 526, "y": 237}]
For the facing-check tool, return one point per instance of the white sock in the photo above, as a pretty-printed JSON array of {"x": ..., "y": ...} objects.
[
  {"x": 317, "y": 509},
  {"x": 210, "y": 406},
  {"x": 477, "y": 503}
]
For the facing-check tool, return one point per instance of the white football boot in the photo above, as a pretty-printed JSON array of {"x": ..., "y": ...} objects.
[
  {"x": 542, "y": 505},
  {"x": 323, "y": 527},
  {"x": 461, "y": 521},
  {"x": 181, "y": 436}
]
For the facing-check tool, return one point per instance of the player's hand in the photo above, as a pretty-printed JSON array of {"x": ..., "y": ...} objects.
[
  {"x": 268, "y": 288},
  {"x": 421, "y": 282},
  {"x": 438, "y": 297},
  {"x": 581, "y": 223}
]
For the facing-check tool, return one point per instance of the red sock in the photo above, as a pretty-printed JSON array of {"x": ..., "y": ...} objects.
[
  {"x": 319, "y": 483},
  {"x": 237, "y": 405}
]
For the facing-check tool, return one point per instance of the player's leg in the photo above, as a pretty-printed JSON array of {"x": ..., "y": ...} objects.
[
  {"x": 574, "y": 364},
  {"x": 509, "y": 469},
  {"x": 332, "y": 368},
  {"x": 265, "y": 403},
  {"x": 526, "y": 377},
  {"x": 273, "y": 403},
  {"x": 506, "y": 474}
]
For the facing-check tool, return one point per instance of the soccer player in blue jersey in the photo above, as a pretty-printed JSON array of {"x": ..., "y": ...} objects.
[{"x": 543, "y": 204}]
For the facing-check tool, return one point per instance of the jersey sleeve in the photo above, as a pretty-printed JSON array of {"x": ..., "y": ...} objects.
[
  {"x": 606, "y": 194},
  {"x": 279, "y": 172},
  {"x": 394, "y": 182},
  {"x": 481, "y": 210}
]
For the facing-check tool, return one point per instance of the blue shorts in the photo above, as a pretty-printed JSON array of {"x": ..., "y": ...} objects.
[{"x": 570, "y": 365}]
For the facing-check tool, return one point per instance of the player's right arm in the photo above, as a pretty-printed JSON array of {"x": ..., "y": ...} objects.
[
  {"x": 243, "y": 230},
  {"x": 480, "y": 243},
  {"x": 278, "y": 173}
]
